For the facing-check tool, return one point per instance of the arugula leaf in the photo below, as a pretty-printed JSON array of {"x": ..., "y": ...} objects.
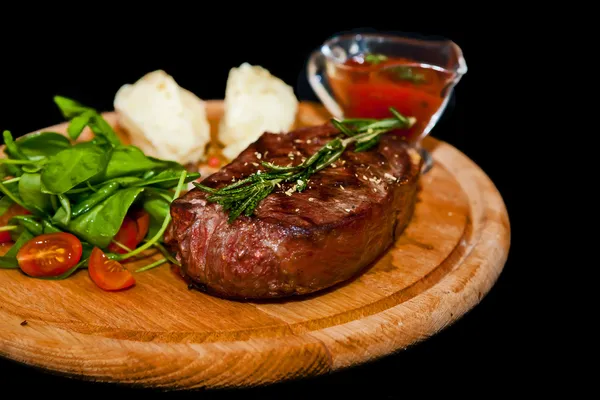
[
  {"x": 79, "y": 122},
  {"x": 158, "y": 236},
  {"x": 11, "y": 148},
  {"x": 42, "y": 144},
  {"x": 54, "y": 201},
  {"x": 66, "y": 207},
  {"x": 4, "y": 172},
  {"x": 14, "y": 196},
  {"x": 33, "y": 168},
  {"x": 86, "y": 251},
  {"x": 94, "y": 198},
  {"x": 167, "y": 163},
  {"x": 158, "y": 208},
  {"x": 166, "y": 194},
  {"x": 82, "y": 116},
  {"x": 167, "y": 178},
  {"x": 9, "y": 260},
  {"x": 49, "y": 228},
  {"x": 124, "y": 181},
  {"x": 28, "y": 223},
  {"x": 73, "y": 166},
  {"x": 30, "y": 191},
  {"x": 102, "y": 128},
  {"x": 9, "y": 170},
  {"x": 70, "y": 108},
  {"x": 160, "y": 180},
  {"x": 127, "y": 161},
  {"x": 99, "y": 225},
  {"x": 8, "y": 263},
  {"x": 5, "y": 203},
  {"x": 81, "y": 192}
]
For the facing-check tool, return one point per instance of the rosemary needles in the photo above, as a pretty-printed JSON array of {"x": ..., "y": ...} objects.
[{"x": 243, "y": 196}]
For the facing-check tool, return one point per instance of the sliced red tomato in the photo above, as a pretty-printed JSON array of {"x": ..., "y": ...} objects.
[
  {"x": 50, "y": 254},
  {"x": 142, "y": 220},
  {"x": 126, "y": 236},
  {"x": 5, "y": 237},
  {"x": 108, "y": 274},
  {"x": 13, "y": 210}
]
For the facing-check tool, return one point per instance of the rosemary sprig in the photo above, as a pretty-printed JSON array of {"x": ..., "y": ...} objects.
[{"x": 243, "y": 196}]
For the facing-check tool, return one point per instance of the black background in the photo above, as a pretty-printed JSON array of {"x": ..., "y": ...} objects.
[{"x": 490, "y": 347}]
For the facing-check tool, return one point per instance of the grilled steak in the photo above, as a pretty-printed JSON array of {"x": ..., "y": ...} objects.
[{"x": 297, "y": 243}]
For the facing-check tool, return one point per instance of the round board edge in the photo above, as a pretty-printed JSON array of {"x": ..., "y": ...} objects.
[{"x": 320, "y": 350}]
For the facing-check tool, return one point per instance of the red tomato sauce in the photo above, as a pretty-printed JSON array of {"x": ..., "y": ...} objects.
[{"x": 366, "y": 86}]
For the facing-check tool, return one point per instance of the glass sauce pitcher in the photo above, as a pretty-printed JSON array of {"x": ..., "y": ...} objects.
[{"x": 363, "y": 75}]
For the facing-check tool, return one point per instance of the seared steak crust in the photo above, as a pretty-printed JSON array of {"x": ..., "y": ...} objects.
[{"x": 303, "y": 242}]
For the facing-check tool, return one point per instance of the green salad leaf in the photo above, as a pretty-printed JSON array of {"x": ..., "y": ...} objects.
[
  {"x": 42, "y": 144},
  {"x": 5, "y": 203},
  {"x": 81, "y": 116},
  {"x": 85, "y": 188},
  {"x": 70, "y": 108},
  {"x": 167, "y": 178},
  {"x": 158, "y": 207},
  {"x": 79, "y": 122},
  {"x": 30, "y": 191},
  {"x": 11, "y": 147},
  {"x": 127, "y": 161},
  {"x": 100, "y": 225},
  {"x": 73, "y": 166}
]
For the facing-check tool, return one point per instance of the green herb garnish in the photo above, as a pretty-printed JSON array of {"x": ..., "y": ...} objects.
[
  {"x": 407, "y": 74},
  {"x": 375, "y": 58},
  {"x": 243, "y": 196},
  {"x": 402, "y": 72}
]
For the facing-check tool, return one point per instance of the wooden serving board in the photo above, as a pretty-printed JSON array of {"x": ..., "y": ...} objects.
[{"x": 161, "y": 334}]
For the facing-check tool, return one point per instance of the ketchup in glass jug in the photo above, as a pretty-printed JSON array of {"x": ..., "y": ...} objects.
[
  {"x": 367, "y": 85},
  {"x": 360, "y": 75}
]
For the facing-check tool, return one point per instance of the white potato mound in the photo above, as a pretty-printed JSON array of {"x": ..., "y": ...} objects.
[
  {"x": 164, "y": 120},
  {"x": 255, "y": 102}
]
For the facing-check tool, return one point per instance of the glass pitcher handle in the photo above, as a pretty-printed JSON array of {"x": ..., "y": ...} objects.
[
  {"x": 315, "y": 73},
  {"x": 427, "y": 160}
]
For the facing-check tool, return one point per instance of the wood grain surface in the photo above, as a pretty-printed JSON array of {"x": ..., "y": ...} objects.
[{"x": 161, "y": 334}]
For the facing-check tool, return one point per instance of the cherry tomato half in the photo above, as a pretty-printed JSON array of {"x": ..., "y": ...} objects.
[
  {"x": 126, "y": 236},
  {"x": 50, "y": 254},
  {"x": 5, "y": 237},
  {"x": 108, "y": 274},
  {"x": 142, "y": 220}
]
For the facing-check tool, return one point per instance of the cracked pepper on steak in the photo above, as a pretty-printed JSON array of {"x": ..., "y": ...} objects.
[{"x": 297, "y": 243}]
